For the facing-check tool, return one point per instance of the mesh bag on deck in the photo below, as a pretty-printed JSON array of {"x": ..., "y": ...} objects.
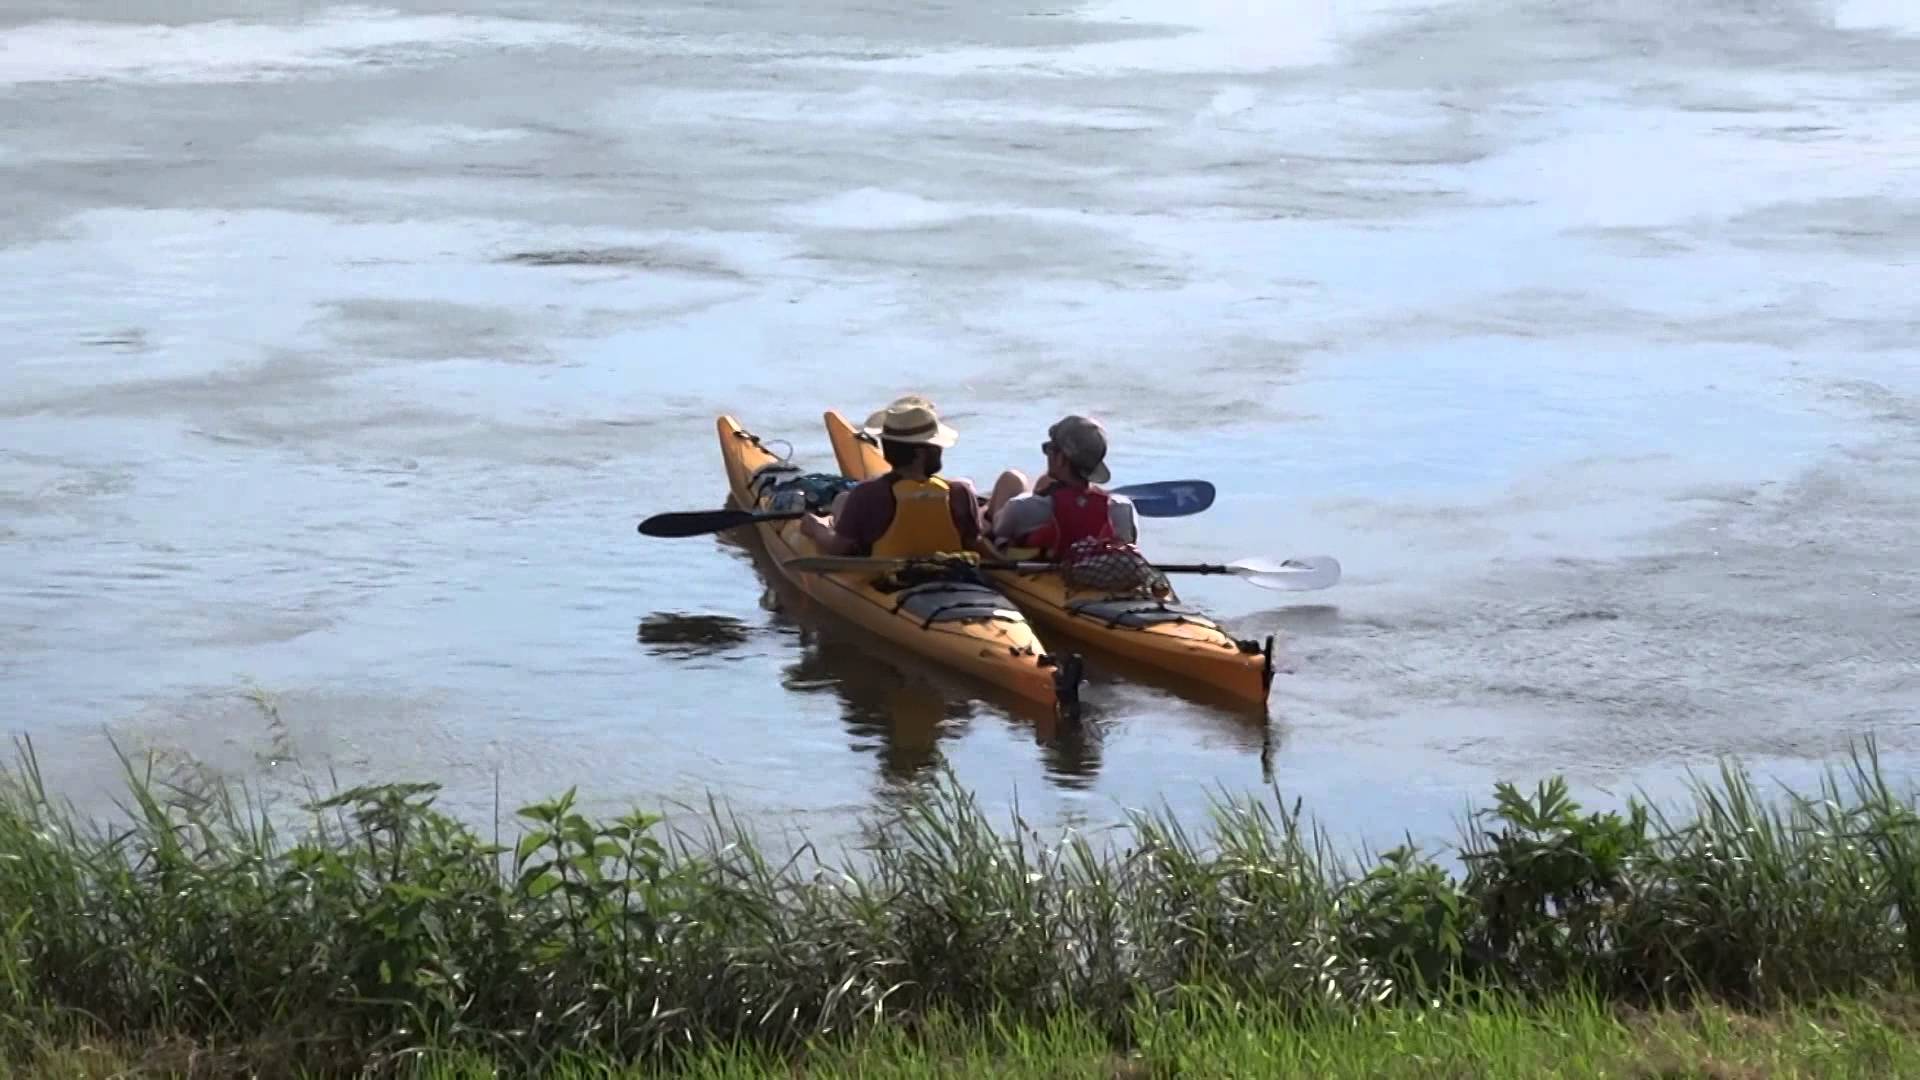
[
  {"x": 954, "y": 568},
  {"x": 1113, "y": 567},
  {"x": 813, "y": 492}
]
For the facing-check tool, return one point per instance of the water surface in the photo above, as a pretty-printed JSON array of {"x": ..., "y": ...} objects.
[{"x": 341, "y": 348}]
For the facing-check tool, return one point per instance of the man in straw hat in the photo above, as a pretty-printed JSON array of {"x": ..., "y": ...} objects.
[
  {"x": 910, "y": 510},
  {"x": 1067, "y": 504}
]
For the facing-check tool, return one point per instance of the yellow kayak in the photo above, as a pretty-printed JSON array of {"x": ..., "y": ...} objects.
[
  {"x": 969, "y": 627},
  {"x": 1164, "y": 634}
]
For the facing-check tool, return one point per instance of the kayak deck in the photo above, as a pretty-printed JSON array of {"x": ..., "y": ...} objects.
[
  {"x": 971, "y": 627},
  {"x": 1163, "y": 634}
]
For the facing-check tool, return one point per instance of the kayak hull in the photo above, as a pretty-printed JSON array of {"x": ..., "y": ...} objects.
[
  {"x": 974, "y": 630},
  {"x": 1172, "y": 638}
]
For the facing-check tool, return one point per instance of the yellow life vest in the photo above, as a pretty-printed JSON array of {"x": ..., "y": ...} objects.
[{"x": 922, "y": 521}]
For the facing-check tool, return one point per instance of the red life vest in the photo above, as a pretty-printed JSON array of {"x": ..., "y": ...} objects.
[{"x": 1078, "y": 514}]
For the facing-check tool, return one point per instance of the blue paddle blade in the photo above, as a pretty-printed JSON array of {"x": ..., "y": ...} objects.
[{"x": 1168, "y": 498}]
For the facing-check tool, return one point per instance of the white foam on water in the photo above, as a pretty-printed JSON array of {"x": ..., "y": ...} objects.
[
  {"x": 1636, "y": 167},
  {"x": 1241, "y": 36},
  {"x": 227, "y": 50},
  {"x": 874, "y": 208},
  {"x": 425, "y": 138},
  {"x": 1303, "y": 122},
  {"x": 419, "y": 140},
  {"x": 1244, "y": 35},
  {"x": 1250, "y": 35},
  {"x": 1898, "y": 16},
  {"x": 868, "y": 108}
]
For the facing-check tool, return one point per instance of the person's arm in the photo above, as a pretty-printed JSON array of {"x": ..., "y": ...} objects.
[
  {"x": 970, "y": 518},
  {"x": 823, "y": 532},
  {"x": 863, "y": 516}
]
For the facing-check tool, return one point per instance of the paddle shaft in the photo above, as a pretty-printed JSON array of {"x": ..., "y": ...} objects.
[
  {"x": 1196, "y": 568},
  {"x": 1165, "y": 568},
  {"x": 1316, "y": 572},
  {"x": 868, "y": 562},
  {"x": 1152, "y": 503}
]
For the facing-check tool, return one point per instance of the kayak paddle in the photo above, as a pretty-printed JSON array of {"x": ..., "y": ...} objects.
[
  {"x": 1168, "y": 498},
  {"x": 1301, "y": 573},
  {"x": 699, "y": 522},
  {"x": 1163, "y": 498},
  {"x": 1159, "y": 499},
  {"x": 1307, "y": 572}
]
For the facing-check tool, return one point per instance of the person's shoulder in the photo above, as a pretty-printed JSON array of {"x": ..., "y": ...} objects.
[{"x": 874, "y": 490}]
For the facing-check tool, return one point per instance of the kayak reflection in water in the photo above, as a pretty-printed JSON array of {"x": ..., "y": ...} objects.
[
  {"x": 1067, "y": 504},
  {"x": 910, "y": 510}
]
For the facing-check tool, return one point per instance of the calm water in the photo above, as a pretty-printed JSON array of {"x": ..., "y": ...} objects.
[{"x": 342, "y": 347}]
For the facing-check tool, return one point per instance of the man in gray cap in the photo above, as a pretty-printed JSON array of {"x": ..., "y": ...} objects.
[{"x": 1067, "y": 504}]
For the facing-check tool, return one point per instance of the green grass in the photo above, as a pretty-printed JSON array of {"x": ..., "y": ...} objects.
[
  {"x": 1568, "y": 1037},
  {"x": 1563, "y": 1037},
  {"x": 193, "y": 928}
]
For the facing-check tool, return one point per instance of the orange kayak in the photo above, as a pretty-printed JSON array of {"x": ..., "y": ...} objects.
[
  {"x": 969, "y": 627},
  {"x": 1162, "y": 634}
]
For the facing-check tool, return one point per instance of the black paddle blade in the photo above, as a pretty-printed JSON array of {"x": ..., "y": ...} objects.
[{"x": 701, "y": 522}]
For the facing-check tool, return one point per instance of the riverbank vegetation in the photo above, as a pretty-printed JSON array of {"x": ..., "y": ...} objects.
[
  {"x": 1566, "y": 1038},
  {"x": 1768, "y": 933}
]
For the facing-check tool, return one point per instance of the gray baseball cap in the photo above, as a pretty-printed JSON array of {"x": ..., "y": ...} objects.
[{"x": 1084, "y": 442}]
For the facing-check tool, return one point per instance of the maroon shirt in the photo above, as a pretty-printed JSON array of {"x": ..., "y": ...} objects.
[{"x": 869, "y": 510}]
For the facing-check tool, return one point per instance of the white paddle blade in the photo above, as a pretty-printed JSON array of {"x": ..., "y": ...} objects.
[{"x": 1307, "y": 572}]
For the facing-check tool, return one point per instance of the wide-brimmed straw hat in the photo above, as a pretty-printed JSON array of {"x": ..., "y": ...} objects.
[{"x": 911, "y": 419}]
